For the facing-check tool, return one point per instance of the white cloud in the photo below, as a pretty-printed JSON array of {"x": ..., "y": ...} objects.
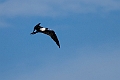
[
  {"x": 4, "y": 24},
  {"x": 101, "y": 63},
  {"x": 56, "y": 8},
  {"x": 87, "y": 68}
]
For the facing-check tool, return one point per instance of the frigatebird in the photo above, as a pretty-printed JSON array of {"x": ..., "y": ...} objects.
[{"x": 46, "y": 31}]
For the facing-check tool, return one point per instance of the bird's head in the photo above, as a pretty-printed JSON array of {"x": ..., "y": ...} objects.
[{"x": 33, "y": 33}]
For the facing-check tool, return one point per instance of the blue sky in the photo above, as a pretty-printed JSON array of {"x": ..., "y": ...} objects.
[{"x": 89, "y": 34}]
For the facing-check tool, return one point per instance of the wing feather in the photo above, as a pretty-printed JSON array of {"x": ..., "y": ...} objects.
[{"x": 52, "y": 34}]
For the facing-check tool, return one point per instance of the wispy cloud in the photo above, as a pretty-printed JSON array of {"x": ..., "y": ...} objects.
[
  {"x": 100, "y": 63},
  {"x": 4, "y": 24},
  {"x": 55, "y": 8}
]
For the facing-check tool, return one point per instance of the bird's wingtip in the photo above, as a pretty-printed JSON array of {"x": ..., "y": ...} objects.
[{"x": 59, "y": 46}]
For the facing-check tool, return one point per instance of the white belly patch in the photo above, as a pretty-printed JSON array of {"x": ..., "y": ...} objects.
[{"x": 42, "y": 29}]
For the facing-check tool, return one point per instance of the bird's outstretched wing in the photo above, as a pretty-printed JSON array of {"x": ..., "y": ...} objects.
[{"x": 52, "y": 34}]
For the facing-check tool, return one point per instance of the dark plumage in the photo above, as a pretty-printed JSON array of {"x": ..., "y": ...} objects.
[{"x": 47, "y": 31}]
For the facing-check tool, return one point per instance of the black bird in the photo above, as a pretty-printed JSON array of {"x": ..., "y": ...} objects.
[{"x": 47, "y": 31}]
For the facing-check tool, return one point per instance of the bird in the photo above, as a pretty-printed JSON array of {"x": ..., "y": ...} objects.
[{"x": 49, "y": 32}]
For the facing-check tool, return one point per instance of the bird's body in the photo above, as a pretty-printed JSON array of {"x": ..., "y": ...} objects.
[
  {"x": 42, "y": 29},
  {"x": 46, "y": 31}
]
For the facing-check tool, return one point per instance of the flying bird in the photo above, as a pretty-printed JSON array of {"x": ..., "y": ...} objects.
[{"x": 46, "y": 31}]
